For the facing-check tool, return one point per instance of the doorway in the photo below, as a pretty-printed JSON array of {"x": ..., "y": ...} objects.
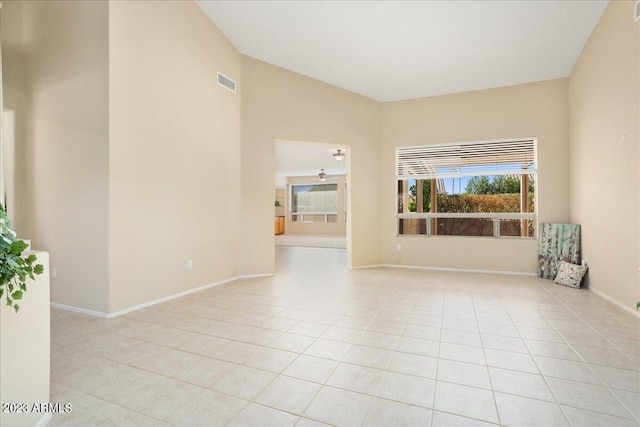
[{"x": 311, "y": 194}]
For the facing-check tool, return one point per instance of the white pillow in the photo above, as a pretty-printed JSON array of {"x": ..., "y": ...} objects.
[{"x": 570, "y": 274}]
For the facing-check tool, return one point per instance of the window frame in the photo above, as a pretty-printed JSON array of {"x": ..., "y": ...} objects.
[
  {"x": 326, "y": 215},
  {"x": 496, "y": 217}
]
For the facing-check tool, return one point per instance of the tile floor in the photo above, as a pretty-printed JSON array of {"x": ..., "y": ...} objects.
[{"x": 319, "y": 344}]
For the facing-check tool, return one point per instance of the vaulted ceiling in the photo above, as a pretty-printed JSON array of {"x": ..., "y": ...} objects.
[{"x": 394, "y": 50}]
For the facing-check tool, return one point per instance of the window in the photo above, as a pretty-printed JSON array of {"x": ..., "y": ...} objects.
[
  {"x": 314, "y": 203},
  {"x": 483, "y": 189}
]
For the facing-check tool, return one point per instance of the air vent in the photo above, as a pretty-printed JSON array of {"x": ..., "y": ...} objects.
[
  {"x": 226, "y": 82},
  {"x": 637, "y": 11}
]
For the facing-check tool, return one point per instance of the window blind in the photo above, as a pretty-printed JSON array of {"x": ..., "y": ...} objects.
[{"x": 502, "y": 157}]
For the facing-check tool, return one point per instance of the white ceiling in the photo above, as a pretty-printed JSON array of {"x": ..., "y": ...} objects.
[
  {"x": 394, "y": 50},
  {"x": 306, "y": 159}
]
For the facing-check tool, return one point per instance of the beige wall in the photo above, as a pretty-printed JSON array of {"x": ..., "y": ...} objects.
[
  {"x": 174, "y": 152},
  {"x": 14, "y": 98},
  {"x": 338, "y": 228},
  {"x": 25, "y": 350},
  {"x": 279, "y": 104},
  {"x": 604, "y": 161},
  {"x": 63, "y": 143},
  {"x": 536, "y": 109}
]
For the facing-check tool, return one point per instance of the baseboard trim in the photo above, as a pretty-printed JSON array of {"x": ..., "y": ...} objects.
[
  {"x": 362, "y": 267},
  {"x": 256, "y": 276},
  {"x": 46, "y": 418},
  {"x": 614, "y": 301},
  {"x": 102, "y": 315},
  {"x": 461, "y": 270},
  {"x": 80, "y": 310}
]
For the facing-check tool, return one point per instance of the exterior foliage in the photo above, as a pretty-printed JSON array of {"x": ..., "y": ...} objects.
[
  {"x": 481, "y": 203},
  {"x": 498, "y": 185},
  {"x": 14, "y": 268}
]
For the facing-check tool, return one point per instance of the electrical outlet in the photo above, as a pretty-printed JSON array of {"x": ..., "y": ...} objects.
[
  {"x": 398, "y": 247},
  {"x": 189, "y": 265},
  {"x": 54, "y": 273}
]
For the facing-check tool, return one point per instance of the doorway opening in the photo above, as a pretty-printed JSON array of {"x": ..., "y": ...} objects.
[{"x": 312, "y": 187}]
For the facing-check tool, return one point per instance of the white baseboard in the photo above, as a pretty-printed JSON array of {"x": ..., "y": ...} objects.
[
  {"x": 81, "y": 310},
  {"x": 362, "y": 267},
  {"x": 461, "y": 270},
  {"x": 256, "y": 276},
  {"x": 154, "y": 302},
  {"x": 44, "y": 420},
  {"x": 614, "y": 301}
]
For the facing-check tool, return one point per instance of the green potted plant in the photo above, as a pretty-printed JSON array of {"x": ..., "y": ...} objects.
[{"x": 15, "y": 269}]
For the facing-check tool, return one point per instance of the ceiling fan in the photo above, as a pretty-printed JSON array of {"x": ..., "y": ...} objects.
[{"x": 322, "y": 176}]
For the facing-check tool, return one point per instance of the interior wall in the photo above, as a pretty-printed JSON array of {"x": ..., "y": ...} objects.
[
  {"x": 530, "y": 110},
  {"x": 64, "y": 185},
  {"x": 338, "y": 228},
  {"x": 174, "y": 160},
  {"x": 13, "y": 99},
  {"x": 279, "y": 104},
  {"x": 604, "y": 99}
]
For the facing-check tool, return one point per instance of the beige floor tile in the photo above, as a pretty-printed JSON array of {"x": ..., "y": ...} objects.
[
  {"x": 566, "y": 369},
  {"x": 539, "y": 334},
  {"x": 407, "y": 389},
  {"x": 204, "y": 345},
  {"x": 279, "y": 324},
  {"x": 328, "y": 349},
  {"x": 307, "y": 422},
  {"x": 311, "y": 368},
  {"x": 385, "y": 327},
  {"x": 338, "y": 333},
  {"x": 510, "y": 360},
  {"x": 522, "y": 411},
  {"x": 368, "y": 356},
  {"x": 356, "y": 378},
  {"x": 384, "y": 413},
  {"x": 630, "y": 400},
  {"x": 501, "y": 342},
  {"x": 104, "y": 414},
  {"x": 379, "y": 340},
  {"x": 443, "y": 419},
  {"x": 459, "y": 324},
  {"x": 292, "y": 342},
  {"x": 502, "y": 329},
  {"x": 465, "y": 401},
  {"x": 622, "y": 379},
  {"x": 521, "y": 384},
  {"x": 339, "y": 407},
  {"x": 462, "y": 353},
  {"x": 585, "y": 418},
  {"x": 162, "y": 399},
  {"x": 418, "y": 346},
  {"x": 243, "y": 382},
  {"x": 396, "y": 326},
  {"x": 460, "y": 337},
  {"x": 551, "y": 349},
  {"x": 413, "y": 364},
  {"x": 208, "y": 408},
  {"x": 257, "y": 416},
  {"x": 424, "y": 332},
  {"x": 204, "y": 372},
  {"x": 587, "y": 396},
  {"x": 309, "y": 329},
  {"x": 288, "y": 394},
  {"x": 133, "y": 381},
  {"x": 463, "y": 373},
  {"x": 270, "y": 359}
]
